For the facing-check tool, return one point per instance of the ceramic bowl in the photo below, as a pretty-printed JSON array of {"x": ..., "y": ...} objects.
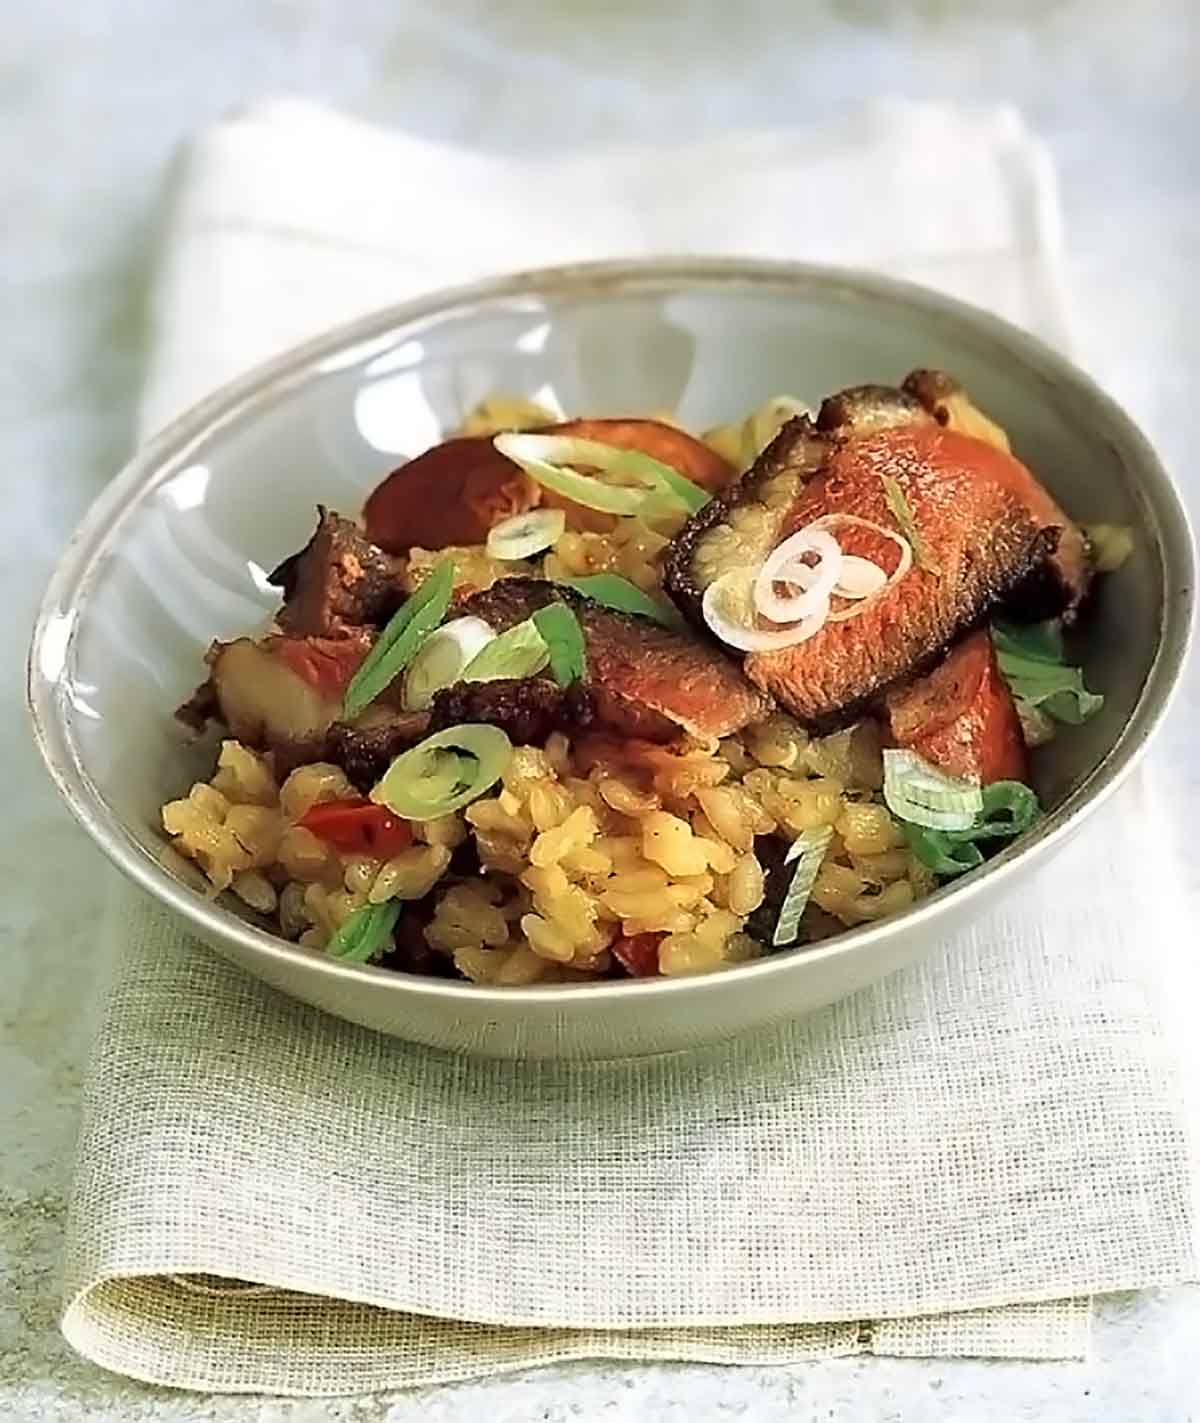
[{"x": 172, "y": 555}]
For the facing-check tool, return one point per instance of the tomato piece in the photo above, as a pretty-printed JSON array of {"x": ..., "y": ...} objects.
[
  {"x": 358, "y": 827},
  {"x": 638, "y": 954},
  {"x": 451, "y": 495},
  {"x": 327, "y": 664},
  {"x": 454, "y": 493},
  {"x": 962, "y": 717}
]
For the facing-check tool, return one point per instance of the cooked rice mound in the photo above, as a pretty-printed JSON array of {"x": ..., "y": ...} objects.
[{"x": 580, "y": 845}]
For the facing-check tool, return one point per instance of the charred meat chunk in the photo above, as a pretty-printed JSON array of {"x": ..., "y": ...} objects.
[
  {"x": 645, "y": 680},
  {"x": 962, "y": 717},
  {"x": 527, "y": 709},
  {"x": 366, "y": 748},
  {"x": 339, "y": 580}
]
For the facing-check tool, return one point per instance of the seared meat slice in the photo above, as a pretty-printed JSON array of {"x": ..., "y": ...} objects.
[
  {"x": 645, "y": 680},
  {"x": 283, "y": 693},
  {"x": 528, "y": 709},
  {"x": 742, "y": 524},
  {"x": 1062, "y": 583},
  {"x": 977, "y": 534},
  {"x": 338, "y": 580},
  {"x": 962, "y": 716},
  {"x": 366, "y": 748}
]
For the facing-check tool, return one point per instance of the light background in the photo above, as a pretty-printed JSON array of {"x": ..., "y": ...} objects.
[{"x": 94, "y": 99}]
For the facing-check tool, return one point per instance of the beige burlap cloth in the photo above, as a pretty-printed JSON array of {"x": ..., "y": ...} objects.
[{"x": 949, "y": 1163}]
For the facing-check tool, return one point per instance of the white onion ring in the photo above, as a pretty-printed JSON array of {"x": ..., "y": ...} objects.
[
  {"x": 835, "y": 521},
  {"x": 738, "y": 634},
  {"x": 814, "y": 591},
  {"x": 859, "y": 578}
]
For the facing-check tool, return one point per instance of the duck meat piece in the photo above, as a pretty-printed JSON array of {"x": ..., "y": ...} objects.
[
  {"x": 283, "y": 693},
  {"x": 980, "y": 541},
  {"x": 200, "y": 708},
  {"x": 339, "y": 580},
  {"x": 364, "y": 749},
  {"x": 962, "y": 716},
  {"x": 645, "y": 680},
  {"x": 867, "y": 409},
  {"x": 527, "y": 709},
  {"x": 1061, "y": 584}
]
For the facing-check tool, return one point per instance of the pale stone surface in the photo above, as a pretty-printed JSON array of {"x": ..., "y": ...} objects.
[{"x": 93, "y": 100}]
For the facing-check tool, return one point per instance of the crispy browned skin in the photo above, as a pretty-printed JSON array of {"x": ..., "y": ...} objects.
[
  {"x": 646, "y": 681},
  {"x": 976, "y": 532},
  {"x": 366, "y": 749},
  {"x": 1062, "y": 583},
  {"x": 528, "y": 709},
  {"x": 338, "y": 580}
]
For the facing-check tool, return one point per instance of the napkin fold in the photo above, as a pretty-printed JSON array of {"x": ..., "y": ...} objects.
[{"x": 951, "y": 1162}]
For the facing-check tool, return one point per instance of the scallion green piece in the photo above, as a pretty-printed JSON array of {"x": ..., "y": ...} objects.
[
  {"x": 916, "y": 791},
  {"x": 610, "y": 590},
  {"x": 808, "y": 850},
  {"x": 365, "y": 933},
  {"x": 935, "y": 849},
  {"x": 548, "y": 459},
  {"x": 898, "y": 503},
  {"x": 444, "y": 772},
  {"x": 401, "y": 640},
  {"x": 563, "y": 636},
  {"x": 1009, "y": 809},
  {"x": 519, "y": 652}
]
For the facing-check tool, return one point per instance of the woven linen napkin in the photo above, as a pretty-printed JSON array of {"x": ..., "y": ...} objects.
[{"x": 951, "y": 1162}]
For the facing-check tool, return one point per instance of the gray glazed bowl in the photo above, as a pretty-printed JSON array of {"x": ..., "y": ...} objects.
[{"x": 172, "y": 556}]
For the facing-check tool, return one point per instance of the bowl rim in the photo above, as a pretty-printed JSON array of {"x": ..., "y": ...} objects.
[{"x": 65, "y": 599}]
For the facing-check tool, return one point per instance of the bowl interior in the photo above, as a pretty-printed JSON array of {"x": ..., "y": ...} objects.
[{"x": 185, "y": 561}]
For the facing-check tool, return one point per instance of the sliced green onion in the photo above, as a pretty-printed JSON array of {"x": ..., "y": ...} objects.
[
  {"x": 401, "y": 640},
  {"x": 1111, "y": 545},
  {"x": 548, "y": 459},
  {"x": 523, "y": 535},
  {"x": 662, "y": 478},
  {"x": 808, "y": 850},
  {"x": 610, "y": 590},
  {"x": 935, "y": 849},
  {"x": 519, "y": 652},
  {"x": 922, "y": 794},
  {"x": 1009, "y": 809},
  {"x": 1031, "y": 662},
  {"x": 563, "y": 636},
  {"x": 444, "y": 776},
  {"x": 424, "y": 782},
  {"x": 443, "y": 659},
  {"x": 898, "y": 503},
  {"x": 365, "y": 933}
]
